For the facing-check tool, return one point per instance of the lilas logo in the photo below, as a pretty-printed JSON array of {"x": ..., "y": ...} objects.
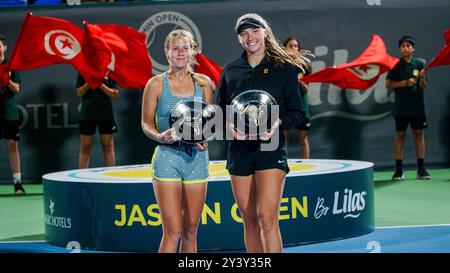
[{"x": 351, "y": 204}]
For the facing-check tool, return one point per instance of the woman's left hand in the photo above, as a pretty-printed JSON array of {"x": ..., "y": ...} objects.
[
  {"x": 268, "y": 134},
  {"x": 202, "y": 146}
]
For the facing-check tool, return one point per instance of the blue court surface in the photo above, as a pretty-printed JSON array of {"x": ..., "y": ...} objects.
[{"x": 407, "y": 239}]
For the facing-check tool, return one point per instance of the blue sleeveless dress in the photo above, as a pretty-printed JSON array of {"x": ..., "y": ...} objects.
[{"x": 172, "y": 163}]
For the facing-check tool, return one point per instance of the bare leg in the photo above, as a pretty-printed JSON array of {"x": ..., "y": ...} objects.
[
  {"x": 270, "y": 185},
  {"x": 14, "y": 156},
  {"x": 244, "y": 190},
  {"x": 169, "y": 198},
  {"x": 107, "y": 141},
  {"x": 194, "y": 196},
  {"x": 419, "y": 142},
  {"x": 399, "y": 144},
  {"x": 303, "y": 143},
  {"x": 85, "y": 151}
]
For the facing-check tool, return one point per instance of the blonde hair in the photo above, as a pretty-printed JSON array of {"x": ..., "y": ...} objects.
[
  {"x": 183, "y": 34},
  {"x": 273, "y": 48}
]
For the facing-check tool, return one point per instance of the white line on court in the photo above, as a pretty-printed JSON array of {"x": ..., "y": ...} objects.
[{"x": 413, "y": 226}]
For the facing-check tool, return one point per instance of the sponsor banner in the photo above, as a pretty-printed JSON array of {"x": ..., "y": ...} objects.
[{"x": 115, "y": 208}]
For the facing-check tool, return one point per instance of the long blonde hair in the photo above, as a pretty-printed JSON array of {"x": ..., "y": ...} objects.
[
  {"x": 181, "y": 33},
  {"x": 273, "y": 48}
]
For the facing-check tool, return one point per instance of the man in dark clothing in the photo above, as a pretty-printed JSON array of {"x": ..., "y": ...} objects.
[{"x": 9, "y": 119}]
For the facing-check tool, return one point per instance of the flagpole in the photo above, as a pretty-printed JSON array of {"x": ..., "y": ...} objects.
[
  {"x": 19, "y": 38},
  {"x": 428, "y": 65}
]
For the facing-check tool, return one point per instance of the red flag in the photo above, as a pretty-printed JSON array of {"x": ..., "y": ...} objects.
[
  {"x": 45, "y": 41},
  {"x": 130, "y": 63},
  {"x": 208, "y": 67},
  {"x": 4, "y": 75},
  {"x": 443, "y": 56},
  {"x": 361, "y": 73}
]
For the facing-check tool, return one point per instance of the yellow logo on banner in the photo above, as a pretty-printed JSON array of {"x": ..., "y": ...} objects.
[{"x": 291, "y": 208}]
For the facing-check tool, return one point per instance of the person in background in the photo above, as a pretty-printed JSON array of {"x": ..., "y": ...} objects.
[
  {"x": 9, "y": 119},
  {"x": 408, "y": 80},
  {"x": 293, "y": 45},
  {"x": 97, "y": 112}
]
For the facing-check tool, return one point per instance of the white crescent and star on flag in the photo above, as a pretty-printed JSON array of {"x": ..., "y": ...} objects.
[
  {"x": 365, "y": 72},
  {"x": 61, "y": 43}
]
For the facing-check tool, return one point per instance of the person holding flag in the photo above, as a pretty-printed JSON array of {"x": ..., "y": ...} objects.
[
  {"x": 408, "y": 80},
  {"x": 129, "y": 62},
  {"x": 9, "y": 118},
  {"x": 443, "y": 57},
  {"x": 97, "y": 112},
  {"x": 361, "y": 73},
  {"x": 58, "y": 41}
]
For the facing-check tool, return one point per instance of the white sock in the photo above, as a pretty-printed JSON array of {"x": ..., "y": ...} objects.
[{"x": 17, "y": 178}]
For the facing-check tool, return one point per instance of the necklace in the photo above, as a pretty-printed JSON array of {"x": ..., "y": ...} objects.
[
  {"x": 174, "y": 88},
  {"x": 178, "y": 90}
]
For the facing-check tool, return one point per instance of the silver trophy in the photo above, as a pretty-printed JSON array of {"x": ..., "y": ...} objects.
[
  {"x": 190, "y": 121},
  {"x": 253, "y": 110}
]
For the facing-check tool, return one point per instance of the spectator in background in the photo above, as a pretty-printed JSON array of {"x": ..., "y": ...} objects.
[
  {"x": 293, "y": 45},
  {"x": 9, "y": 119},
  {"x": 97, "y": 112},
  {"x": 408, "y": 80}
]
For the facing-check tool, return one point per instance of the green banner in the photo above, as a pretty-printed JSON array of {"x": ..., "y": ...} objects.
[{"x": 103, "y": 212}]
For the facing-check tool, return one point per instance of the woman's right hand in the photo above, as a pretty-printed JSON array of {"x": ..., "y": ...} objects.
[
  {"x": 167, "y": 137},
  {"x": 235, "y": 133}
]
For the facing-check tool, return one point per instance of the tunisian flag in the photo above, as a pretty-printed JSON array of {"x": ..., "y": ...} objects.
[
  {"x": 361, "y": 73},
  {"x": 130, "y": 64},
  {"x": 443, "y": 56},
  {"x": 4, "y": 75},
  {"x": 45, "y": 41},
  {"x": 207, "y": 67}
]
